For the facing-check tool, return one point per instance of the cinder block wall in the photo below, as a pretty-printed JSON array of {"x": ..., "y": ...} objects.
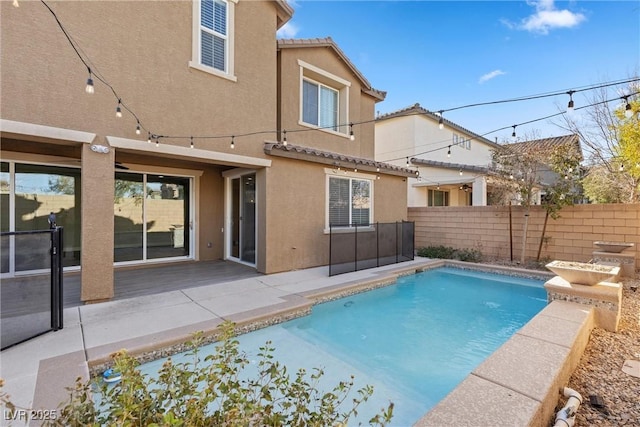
[{"x": 569, "y": 237}]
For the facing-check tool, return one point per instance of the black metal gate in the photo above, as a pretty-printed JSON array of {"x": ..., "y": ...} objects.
[
  {"x": 31, "y": 304},
  {"x": 358, "y": 247}
]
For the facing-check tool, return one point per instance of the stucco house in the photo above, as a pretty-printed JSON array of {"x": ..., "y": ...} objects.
[
  {"x": 205, "y": 138},
  {"x": 452, "y": 161}
]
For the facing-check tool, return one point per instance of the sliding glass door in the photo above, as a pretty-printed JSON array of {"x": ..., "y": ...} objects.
[{"x": 152, "y": 217}]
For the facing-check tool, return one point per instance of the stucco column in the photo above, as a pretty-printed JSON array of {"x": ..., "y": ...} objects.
[
  {"x": 97, "y": 222},
  {"x": 480, "y": 191}
]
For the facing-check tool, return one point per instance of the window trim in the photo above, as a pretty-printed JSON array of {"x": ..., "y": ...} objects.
[
  {"x": 195, "y": 61},
  {"x": 334, "y": 173},
  {"x": 324, "y": 78}
]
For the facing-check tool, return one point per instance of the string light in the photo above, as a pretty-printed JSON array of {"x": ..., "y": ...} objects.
[
  {"x": 118, "y": 109},
  {"x": 157, "y": 141},
  {"x": 628, "y": 112},
  {"x": 15, "y": 3},
  {"x": 284, "y": 137},
  {"x": 233, "y": 144},
  {"x": 621, "y": 167},
  {"x": 407, "y": 162},
  {"x": 138, "y": 129},
  {"x": 513, "y": 135},
  {"x": 570, "y": 105},
  {"x": 149, "y": 138},
  {"x": 449, "y": 151},
  {"x": 191, "y": 145},
  {"x": 351, "y": 135},
  {"x": 89, "y": 87},
  {"x": 460, "y": 172}
]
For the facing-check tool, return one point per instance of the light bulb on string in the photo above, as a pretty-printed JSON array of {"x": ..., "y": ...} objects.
[
  {"x": 449, "y": 152},
  {"x": 15, "y": 3},
  {"x": 460, "y": 172},
  {"x": 621, "y": 167},
  {"x": 89, "y": 87},
  {"x": 284, "y": 137},
  {"x": 351, "y": 135},
  {"x": 407, "y": 162},
  {"x": 233, "y": 144},
  {"x": 149, "y": 138},
  {"x": 138, "y": 129},
  {"x": 377, "y": 168},
  {"x": 191, "y": 145},
  {"x": 628, "y": 112},
  {"x": 570, "y": 104},
  {"x": 118, "y": 109},
  {"x": 440, "y": 120},
  {"x": 513, "y": 134},
  {"x": 157, "y": 141}
]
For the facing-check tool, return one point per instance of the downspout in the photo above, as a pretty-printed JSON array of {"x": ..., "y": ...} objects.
[{"x": 566, "y": 417}]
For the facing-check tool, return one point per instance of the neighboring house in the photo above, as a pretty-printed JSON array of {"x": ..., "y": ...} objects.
[
  {"x": 221, "y": 96},
  {"x": 452, "y": 161},
  {"x": 544, "y": 149}
]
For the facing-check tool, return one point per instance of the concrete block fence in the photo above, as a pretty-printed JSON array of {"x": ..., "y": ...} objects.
[{"x": 569, "y": 238}]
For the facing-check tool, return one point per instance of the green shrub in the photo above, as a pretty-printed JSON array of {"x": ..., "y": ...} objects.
[
  {"x": 446, "y": 252},
  {"x": 213, "y": 393},
  {"x": 443, "y": 252}
]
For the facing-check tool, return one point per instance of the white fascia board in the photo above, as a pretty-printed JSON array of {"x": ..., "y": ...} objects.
[
  {"x": 22, "y": 129},
  {"x": 195, "y": 154}
]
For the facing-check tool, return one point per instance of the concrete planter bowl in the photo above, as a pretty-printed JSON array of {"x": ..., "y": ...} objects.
[
  {"x": 582, "y": 273},
  {"x": 613, "y": 247}
]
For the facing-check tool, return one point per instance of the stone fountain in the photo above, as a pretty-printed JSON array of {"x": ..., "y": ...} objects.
[
  {"x": 593, "y": 285},
  {"x": 611, "y": 253}
]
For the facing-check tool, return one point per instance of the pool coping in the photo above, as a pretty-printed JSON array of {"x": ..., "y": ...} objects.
[{"x": 93, "y": 359}]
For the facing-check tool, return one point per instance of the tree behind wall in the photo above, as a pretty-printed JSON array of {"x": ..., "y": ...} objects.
[
  {"x": 611, "y": 141},
  {"x": 522, "y": 174}
]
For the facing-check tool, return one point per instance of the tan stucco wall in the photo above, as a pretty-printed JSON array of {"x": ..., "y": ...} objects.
[
  {"x": 296, "y": 212},
  {"x": 361, "y": 106},
  {"x": 571, "y": 236},
  {"x": 142, "y": 49}
]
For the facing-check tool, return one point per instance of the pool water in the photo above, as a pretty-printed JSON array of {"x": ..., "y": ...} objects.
[{"x": 414, "y": 341}]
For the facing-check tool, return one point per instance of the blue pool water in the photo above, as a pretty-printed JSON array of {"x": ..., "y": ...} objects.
[{"x": 413, "y": 341}]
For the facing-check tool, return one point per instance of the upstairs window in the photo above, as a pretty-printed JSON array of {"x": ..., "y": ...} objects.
[
  {"x": 213, "y": 37},
  {"x": 213, "y": 34},
  {"x": 324, "y": 100},
  {"x": 319, "y": 105}
]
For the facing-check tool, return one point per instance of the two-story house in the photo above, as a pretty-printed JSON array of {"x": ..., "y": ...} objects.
[
  {"x": 452, "y": 161},
  {"x": 203, "y": 138}
]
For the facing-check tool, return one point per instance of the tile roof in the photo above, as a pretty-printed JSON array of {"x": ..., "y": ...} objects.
[
  {"x": 417, "y": 109},
  {"x": 328, "y": 42},
  {"x": 334, "y": 159},
  {"x": 546, "y": 146},
  {"x": 444, "y": 165}
]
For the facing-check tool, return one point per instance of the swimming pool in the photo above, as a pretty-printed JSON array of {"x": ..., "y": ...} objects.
[{"x": 413, "y": 341}]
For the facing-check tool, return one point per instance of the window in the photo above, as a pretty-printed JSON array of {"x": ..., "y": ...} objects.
[
  {"x": 438, "y": 198},
  {"x": 324, "y": 100},
  {"x": 461, "y": 141},
  {"x": 349, "y": 202},
  {"x": 319, "y": 105},
  {"x": 213, "y": 37}
]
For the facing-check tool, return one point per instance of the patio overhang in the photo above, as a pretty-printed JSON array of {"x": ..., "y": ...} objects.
[
  {"x": 451, "y": 166},
  {"x": 334, "y": 159},
  {"x": 185, "y": 153}
]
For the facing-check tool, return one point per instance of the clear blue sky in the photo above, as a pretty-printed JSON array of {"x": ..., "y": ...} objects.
[{"x": 445, "y": 54}]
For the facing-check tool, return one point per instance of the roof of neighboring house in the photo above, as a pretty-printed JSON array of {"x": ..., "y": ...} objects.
[
  {"x": 328, "y": 42},
  {"x": 334, "y": 159},
  {"x": 454, "y": 166},
  {"x": 417, "y": 109},
  {"x": 546, "y": 146}
]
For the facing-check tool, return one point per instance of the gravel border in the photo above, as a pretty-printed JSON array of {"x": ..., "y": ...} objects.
[{"x": 600, "y": 369}]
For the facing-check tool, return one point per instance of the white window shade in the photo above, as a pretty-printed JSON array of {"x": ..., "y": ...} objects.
[{"x": 349, "y": 202}]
